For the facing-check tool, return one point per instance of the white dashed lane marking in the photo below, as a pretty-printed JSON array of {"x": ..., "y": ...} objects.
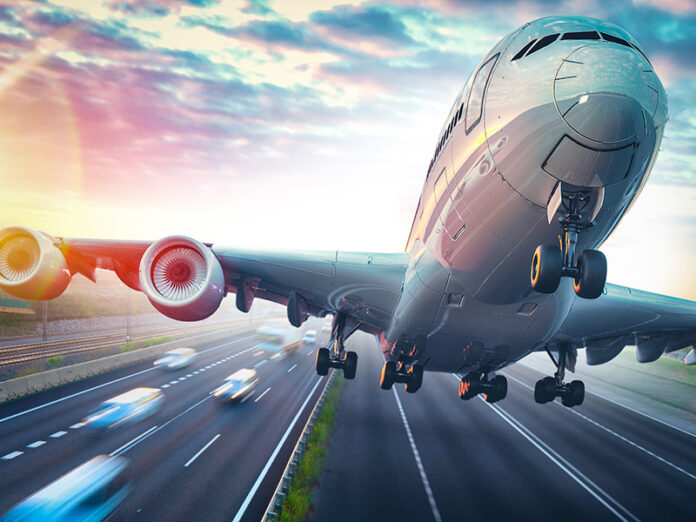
[
  {"x": 36, "y": 444},
  {"x": 260, "y": 363},
  {"x": 172, "y": 382},
  {"x": 165, "y": 386},
  {"x": 76, "y": 426},
  {"x": 58, "y": 434},
  {"x": 12, "y": 455},
  {"x": 257, "y": 399},
  {"x": 292, "y": 368}
]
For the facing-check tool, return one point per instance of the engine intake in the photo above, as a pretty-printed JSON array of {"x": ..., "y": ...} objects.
[
  {"x": 31, "y": 264},
  {"x": 182, "y": 278}
]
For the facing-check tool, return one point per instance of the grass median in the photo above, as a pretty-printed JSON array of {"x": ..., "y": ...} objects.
[{"x": 299, "y": 498}]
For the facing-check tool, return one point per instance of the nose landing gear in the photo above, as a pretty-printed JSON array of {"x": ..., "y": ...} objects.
[
  {"x": 548, "y": 388},
  {"x": 551, "y": 262}
]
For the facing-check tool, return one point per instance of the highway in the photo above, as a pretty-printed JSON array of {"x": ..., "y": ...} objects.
[
  {"x": 431, "y": 456},
  {"x": 195, "y": 458}
]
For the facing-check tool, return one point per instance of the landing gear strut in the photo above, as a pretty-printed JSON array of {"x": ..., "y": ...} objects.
[
  {"x": 493, "y": 390},
  {"x": 548, "y": 388},
  {"x": 550, "y": 262},
  {"x": 335, "y": 356},
  {"x": 392, "y": 372}
]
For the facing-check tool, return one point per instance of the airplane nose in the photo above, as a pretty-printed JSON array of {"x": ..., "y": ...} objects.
[{"x": 605, "y": 93}]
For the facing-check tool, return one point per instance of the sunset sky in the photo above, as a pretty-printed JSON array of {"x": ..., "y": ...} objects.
[{"x": 291, "y": 124}]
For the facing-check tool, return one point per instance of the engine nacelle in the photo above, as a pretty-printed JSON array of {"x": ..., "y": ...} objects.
[
  {"x": 31, "y": 264},
  {"x": 182, "y": 278}
]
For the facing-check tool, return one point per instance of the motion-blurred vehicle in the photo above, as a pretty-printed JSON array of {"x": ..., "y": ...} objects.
[
  {"x": 238, "y": 386},
  {"x": 177, "y": 358},
  {"x": 92, "y": 491},
  {"x": 128, "y": 407},
  {"x": 279, "y": 339},
  {"x": 310, "y": 337},
  {"x": 326, "y": 328}
]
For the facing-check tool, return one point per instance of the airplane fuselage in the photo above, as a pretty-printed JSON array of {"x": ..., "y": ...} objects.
[{"x": 581, "y": 112}]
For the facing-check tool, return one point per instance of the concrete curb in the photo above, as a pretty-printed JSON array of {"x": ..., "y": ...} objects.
[{"x": 21, "y": 386}]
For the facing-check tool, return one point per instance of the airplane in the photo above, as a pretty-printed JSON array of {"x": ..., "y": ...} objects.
[{"x": 544, "y": 150}]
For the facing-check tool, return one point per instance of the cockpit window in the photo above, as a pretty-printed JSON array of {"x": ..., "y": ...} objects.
[
  {"x": 478, "y": 89},
  {"x": 581, "y": 35},
  {"x": 546, "y": 40},
  {"x": 615, "y": 39},
  {"x": 521, "y": 52}
]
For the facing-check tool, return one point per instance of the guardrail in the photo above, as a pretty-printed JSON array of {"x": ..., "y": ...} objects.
[{"x": 275, "y": 506}]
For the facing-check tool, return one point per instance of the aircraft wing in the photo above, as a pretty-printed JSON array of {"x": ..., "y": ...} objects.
[
  {"x": 623, "y": 316},
  {"x": 366, "y": 286}
]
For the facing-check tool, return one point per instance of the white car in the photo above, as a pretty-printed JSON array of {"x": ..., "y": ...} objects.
[
  {"x": 128, "y": 407},
  {"x": 175, "y": 359},
  {"x": 310, "y": 337},
  {"x": 238, "y": 386},
  {"x": 326, "y": 328}
]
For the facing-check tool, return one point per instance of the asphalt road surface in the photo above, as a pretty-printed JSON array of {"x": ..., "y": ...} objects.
[
  {"x": 432, "y": 456},
  {"x": 196, "y": 458}
]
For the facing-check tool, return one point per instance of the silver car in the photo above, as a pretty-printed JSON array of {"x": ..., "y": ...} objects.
[{"x": 238, "y": 387}]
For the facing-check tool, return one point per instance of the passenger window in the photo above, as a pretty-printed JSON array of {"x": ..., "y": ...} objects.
[{"x": 478, "y": 89}]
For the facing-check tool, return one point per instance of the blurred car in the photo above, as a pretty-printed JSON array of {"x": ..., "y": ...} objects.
[
  {"x": 175, "y": 359},
  {"x": 326, "y": 328},
  {"x": 92, "y": 491},
  {"x": 133, "y": 405},
  {"x": 279, "y": 339},
  {"x": 238, "y": 386},
  {"x": 310, "y": 337}
]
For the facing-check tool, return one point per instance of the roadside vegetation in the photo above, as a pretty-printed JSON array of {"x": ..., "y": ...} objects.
[
  {"x": 298, "y": 501},
  {"x": 145, "y": 343}
]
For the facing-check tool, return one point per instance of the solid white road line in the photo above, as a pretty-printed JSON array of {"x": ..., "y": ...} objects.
[
  {"x": 12, "y": 455},
  {"x": 646, "y": 415},
  {"x": 201, "y": 451},
  {"x": 292, "y": 368},
  {"x": 257, "y": 399},
  {"x": 131, "y": 441},
  {"x": 51, "y": 403},
  {"x": 260, "y": 363},
  {"x": 608, "y": 430},
  {"x": 264, "y": 471},
  {"x": 36, "y": 444},
  {"x": 58, "y": 434},
  {"x": 564, "y": 465},
  {"x": 419, "y": 462}
]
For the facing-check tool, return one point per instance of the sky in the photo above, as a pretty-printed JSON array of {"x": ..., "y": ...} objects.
[{"x": 291, "y": 124}]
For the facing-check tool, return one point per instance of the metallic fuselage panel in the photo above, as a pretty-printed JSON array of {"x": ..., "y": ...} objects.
[{"x": 587, "y": 114}]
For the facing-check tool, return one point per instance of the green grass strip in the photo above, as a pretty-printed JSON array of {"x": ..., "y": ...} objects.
[{"x": 299, "y": 498}]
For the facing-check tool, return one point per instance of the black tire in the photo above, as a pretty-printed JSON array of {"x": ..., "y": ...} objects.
[
  {"x": 545, "y": 390},
  {"x": 322, "y": 361},
  {"x": 469, "y": 388},
  {"x": 547, "y": 267},
  {"x": 500, "y": 387},
  {"x": 592, "y": 265},
  {"x": 416, "y": 379},
  {"x": 388, "y": 373},
  {"x": 351, "y": 365},
  {"x": 576, "y": 391}
]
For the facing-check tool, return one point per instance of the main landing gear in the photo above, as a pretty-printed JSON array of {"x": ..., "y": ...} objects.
[
  {"x": 550, "y": 263},
  {"x": 411, "y": 376},
  {"x": 335, "y": 356},
  {"x": 548, "y": 388},
  {"x": 493, "y": 390}
]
